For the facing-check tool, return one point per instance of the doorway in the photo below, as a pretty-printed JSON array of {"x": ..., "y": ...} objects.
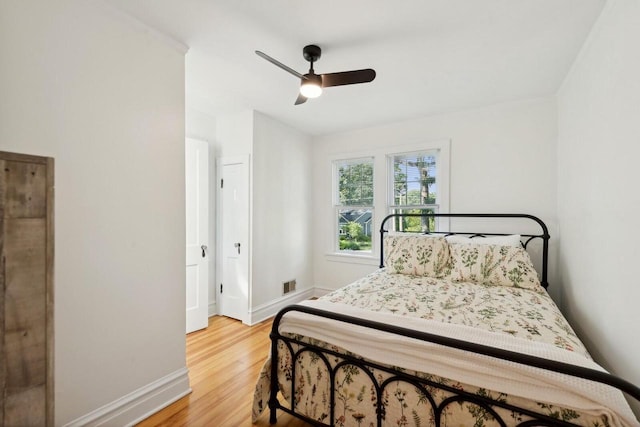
[
  {"x": 197, "y": 234},
  {"x": 233, "y": 237}
]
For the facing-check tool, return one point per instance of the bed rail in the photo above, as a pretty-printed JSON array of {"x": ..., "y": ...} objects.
[
  {"x": 551, "y": 365},
  {"x": 544, "y": 235}
]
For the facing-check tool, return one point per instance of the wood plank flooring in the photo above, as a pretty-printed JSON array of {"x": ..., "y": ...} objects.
[{"x": 223, "y": 361}]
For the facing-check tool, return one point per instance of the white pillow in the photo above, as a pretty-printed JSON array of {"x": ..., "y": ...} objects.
[{"x": 511, "y": 240}]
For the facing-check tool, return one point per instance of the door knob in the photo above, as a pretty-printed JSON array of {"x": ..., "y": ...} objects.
[
  {"x": 204, "y": 249},
  {"x": 237, "y": 245}
]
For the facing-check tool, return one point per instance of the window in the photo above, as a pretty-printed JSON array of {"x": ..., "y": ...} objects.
[
  {"x": 413, "y": 189},
  {"x": 366, "y": 186},
  {"x": 354, "y": 204}
]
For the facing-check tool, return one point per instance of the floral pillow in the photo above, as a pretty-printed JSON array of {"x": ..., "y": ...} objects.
[
  {"x": 416, "y": 254},
  {"x": 493, "y": 265}
]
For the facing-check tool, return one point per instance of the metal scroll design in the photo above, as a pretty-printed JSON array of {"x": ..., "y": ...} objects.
[{"x": 486, "y": 403}]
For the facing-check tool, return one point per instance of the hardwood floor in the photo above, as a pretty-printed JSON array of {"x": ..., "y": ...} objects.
[{"x": 224, "y": 361}]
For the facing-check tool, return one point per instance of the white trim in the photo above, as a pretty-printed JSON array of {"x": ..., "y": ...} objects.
[
  {"x": 416, "y": 146},
  {"x": 444, "y": 184},
  {"x": 320, "y": 292},
  {"x": 352, "y": 258},
  {"x": 381, "y": 183},
  {"x": 335, "y": 164},
  {"x": 139, "y": 404},
  {"x": 221, "y": 162},
  {"x": 270, "y": 309},
  {"x": 213, "y": 309}
]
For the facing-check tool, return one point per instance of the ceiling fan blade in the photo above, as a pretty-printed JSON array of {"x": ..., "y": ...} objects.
[
  {"x": 348, "y": 77},
  {"x": 279, "y": 64},
  {"x": 301, "y": 99}
]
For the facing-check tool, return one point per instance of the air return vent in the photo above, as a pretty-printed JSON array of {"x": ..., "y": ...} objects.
[{"x": 289, "y": 286}]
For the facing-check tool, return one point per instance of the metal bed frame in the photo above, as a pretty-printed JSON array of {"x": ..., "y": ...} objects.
[{"x": 458, "y": 396}]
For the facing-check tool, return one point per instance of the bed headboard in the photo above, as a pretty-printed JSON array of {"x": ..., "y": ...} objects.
[{"x": 526, "y": 238}]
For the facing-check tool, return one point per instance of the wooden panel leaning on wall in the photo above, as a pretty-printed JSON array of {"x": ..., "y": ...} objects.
[{"x": 26, "y": 290}]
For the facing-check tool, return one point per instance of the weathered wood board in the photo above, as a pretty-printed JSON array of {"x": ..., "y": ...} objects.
[{"x": 26, "y": 290}]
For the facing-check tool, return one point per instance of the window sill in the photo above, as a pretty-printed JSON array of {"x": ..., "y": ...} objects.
[{"x": 352, "y": 258}]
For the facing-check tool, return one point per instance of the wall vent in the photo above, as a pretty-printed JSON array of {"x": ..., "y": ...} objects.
[{"x": 289, "y": 286}]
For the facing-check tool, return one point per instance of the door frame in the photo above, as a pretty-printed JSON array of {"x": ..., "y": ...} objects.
[
  {"x": 201, "y": 191},
  {"x": 219, "y": 273}
]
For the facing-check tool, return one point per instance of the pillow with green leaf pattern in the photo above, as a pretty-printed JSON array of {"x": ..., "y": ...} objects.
[
  {"x": 493, "y": 265},
  {"x": 416, "y": 254}
]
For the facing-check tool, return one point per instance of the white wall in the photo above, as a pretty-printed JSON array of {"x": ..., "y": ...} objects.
[
  {"x": 281, "y": 209},
  {"x": 502, "y": 160},
  {"x": 598, "y": 202},
  {"x": 280, "y": 161},
  {"x": 280, "y": 204},
  {"x": 234, "y": 134},
  {"x": 200, "y": 125},
  {"x": 234, "y": 137},
  {"x": 105, "y": 99}
]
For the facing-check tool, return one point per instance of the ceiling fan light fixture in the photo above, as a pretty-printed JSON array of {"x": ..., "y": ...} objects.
[{"x": 311, "y": 86}]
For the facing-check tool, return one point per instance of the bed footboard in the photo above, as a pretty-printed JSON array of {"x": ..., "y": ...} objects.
[{"x": 492, "y": 407}]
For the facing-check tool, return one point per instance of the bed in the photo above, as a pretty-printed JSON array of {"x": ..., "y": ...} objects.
[{"x": 454, "y": 329}]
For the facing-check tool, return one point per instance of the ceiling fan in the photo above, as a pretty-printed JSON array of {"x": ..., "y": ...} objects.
[{"x": 311, "y": 84}]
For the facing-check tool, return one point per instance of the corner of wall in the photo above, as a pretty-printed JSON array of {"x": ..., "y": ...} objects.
[
  {"x": 607, "y": 10},
  {"x": 141, "y": 26},
  {"x": 270, "y": 309}
]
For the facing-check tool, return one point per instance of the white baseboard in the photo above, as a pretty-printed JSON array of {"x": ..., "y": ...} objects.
[
  {"x": 140, "y": 404},
  {"x": 320, "y": 292},
  {"x": 213, "y": 309},
  {"x": 146, "y": 401},
  {"x": 270, "y": 309}
]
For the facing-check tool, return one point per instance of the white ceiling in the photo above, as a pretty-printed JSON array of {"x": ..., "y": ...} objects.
[{"x": 431, "y": 56}]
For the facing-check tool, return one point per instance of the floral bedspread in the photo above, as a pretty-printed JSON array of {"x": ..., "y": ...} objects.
[
  {"x": 523, "y": 313},
  {"x": 514, "y": 311}
]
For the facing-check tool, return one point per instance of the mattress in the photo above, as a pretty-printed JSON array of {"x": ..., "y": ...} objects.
[{"x": 522, "y": 320}]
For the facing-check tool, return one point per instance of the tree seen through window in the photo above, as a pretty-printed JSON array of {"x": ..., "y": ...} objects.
[
  {"x": 414, "y": 190},
  {"x": 355, "y": 204}
]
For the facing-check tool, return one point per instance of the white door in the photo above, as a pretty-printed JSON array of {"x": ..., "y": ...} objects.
[
  {"x": 197, "y": 220},
  {"x": 234, "y": 247}
]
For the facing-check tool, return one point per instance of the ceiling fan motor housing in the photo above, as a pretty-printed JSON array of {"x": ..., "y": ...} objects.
[{"x": 311, "y": 52}]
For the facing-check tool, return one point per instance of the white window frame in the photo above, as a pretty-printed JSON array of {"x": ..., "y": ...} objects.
[
  {"x": 382, "y": 189},
  {"x": 391, "y": 206},
  {"x": 337, "y": 206}
]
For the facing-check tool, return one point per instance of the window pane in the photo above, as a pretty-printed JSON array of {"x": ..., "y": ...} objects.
[
  {"x": 414, "y": 224},
  {"x": 355, "y": 183},
  {"x": 414, "y": 177},
  {"x": 354, "y": 229},
  {"x": 400, "y": 191}
]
